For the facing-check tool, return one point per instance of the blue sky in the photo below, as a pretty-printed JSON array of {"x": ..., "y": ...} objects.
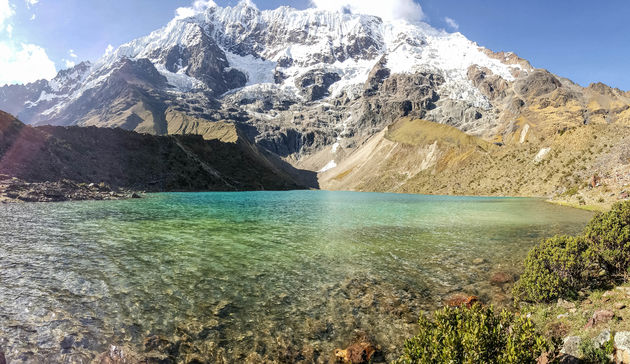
[{"x": 582, "y": 40}]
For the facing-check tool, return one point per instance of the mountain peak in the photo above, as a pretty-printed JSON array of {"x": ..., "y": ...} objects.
[{"x": 250, "y": 65}]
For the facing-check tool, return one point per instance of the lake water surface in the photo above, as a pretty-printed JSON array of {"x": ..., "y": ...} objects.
[{"x": 236, "y": 277}]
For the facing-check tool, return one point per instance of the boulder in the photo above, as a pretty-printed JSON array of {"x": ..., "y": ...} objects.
[
  {"x": 571, "y": 346},
  {"x": 602, "y": 338},
  {"x": 565, "y": 304},
  {"x": 599, "y": 317},
  {"x": 622, "y": 346},
  {"x": 595, "y": 180}
]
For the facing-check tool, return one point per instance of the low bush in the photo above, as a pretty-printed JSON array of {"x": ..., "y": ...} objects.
[
  {"x": 608, "y": 235},
  {"x": 572, "y": 191},
  {"x": 592, "y": 354},
  {"x": 561, "y": 266},
  {"x": 474, "y": 335},
  {"x": 555, "y": 268}
]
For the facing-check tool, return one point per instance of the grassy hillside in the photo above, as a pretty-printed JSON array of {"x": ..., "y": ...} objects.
[{"x": 417, "y": 156}]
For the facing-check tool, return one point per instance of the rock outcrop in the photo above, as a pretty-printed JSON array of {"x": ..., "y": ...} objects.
[{"x": 622, "y": 347}]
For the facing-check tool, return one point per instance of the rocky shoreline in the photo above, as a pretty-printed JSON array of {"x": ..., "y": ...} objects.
[{"x": 15, "y": 190}]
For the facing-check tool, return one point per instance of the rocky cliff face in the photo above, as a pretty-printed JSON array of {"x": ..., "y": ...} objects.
[{"x": 312, "y": 86}]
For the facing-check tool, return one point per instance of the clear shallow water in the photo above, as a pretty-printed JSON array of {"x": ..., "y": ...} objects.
[{"x": 279, "y": 276}]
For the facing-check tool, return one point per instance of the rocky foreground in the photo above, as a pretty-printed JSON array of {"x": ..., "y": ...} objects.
[
  {"x": 17, "y": 190},
  {"x": 600, "y": 320}
]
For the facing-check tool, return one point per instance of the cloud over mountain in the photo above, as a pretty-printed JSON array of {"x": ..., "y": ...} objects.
[
  {"x": 394, "y": 9},
  {"x": 23, "y": 62}
]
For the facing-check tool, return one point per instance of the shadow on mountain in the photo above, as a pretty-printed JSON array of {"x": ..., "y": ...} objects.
[{"x": 127, "y": 159}]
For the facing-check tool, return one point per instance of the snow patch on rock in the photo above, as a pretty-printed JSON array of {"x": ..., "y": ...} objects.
[
  {"x": 328, "y": 166},
  {"x": 180, "y": 80},
  {"x": 257, "y": 70}
]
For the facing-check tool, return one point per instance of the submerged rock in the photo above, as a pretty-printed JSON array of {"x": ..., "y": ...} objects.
[
  {"x": 500, "y": 278},
  {"x": 157, "y": 343},
  {"x": 460, "y": 299},
  {"x": 358, "y": 353},
  {"x": 223, "y": 309},
  {"x": 118, "y": 355}
]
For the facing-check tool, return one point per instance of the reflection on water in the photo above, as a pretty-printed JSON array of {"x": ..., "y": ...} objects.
[{"x": 279, "y": 276}]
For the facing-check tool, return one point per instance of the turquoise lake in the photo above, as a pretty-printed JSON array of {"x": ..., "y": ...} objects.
[{"x": 252, "y": 276}]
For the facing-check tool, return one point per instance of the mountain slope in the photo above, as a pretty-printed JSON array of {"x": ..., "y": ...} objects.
[
  {"x": 273, "y": 63},
  {"x": 130, "y": 160},
  {"x": 310, "y": 88},
  {"x": 587, "y": 165}
]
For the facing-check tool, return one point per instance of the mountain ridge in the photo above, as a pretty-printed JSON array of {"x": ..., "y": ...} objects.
[
  {"x": 311, "y": 87},
  {"x": 125, "y": 159}
]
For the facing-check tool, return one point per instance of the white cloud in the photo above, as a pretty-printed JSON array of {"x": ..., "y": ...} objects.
[
  {"x": 68, "y": 63},
  {"x": 109, "y": 50},
  {"x": 24, "y": 63},
  {"x": 30, "y": 3},
  {"x": 386, "y": 9},
  {"x": 6, "y": 11},
  {"x": 451, "y": 23},
  {"x": 33, "y": 17},
  {"x": 72, "y": 54},
  {"x": 197, "y": 7}
]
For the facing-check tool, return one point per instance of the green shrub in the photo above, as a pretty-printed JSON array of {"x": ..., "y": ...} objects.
[
  {"x": 592, "y": 354},
  {"x": 555, "y": 268},
  {"x": 609, "y": 239},
  {"x": 474, "y": 335},
  {"x": 572, "y": 191}
]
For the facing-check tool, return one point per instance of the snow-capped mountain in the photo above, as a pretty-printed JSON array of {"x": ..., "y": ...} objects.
[{"x": 299, "y": 82}]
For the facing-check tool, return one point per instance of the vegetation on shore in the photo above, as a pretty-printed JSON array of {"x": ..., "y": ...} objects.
[
  {"x": 562, "y": 266},
  {"x": 474, "y": 335},
  {"x": 577, "y": 272}
]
